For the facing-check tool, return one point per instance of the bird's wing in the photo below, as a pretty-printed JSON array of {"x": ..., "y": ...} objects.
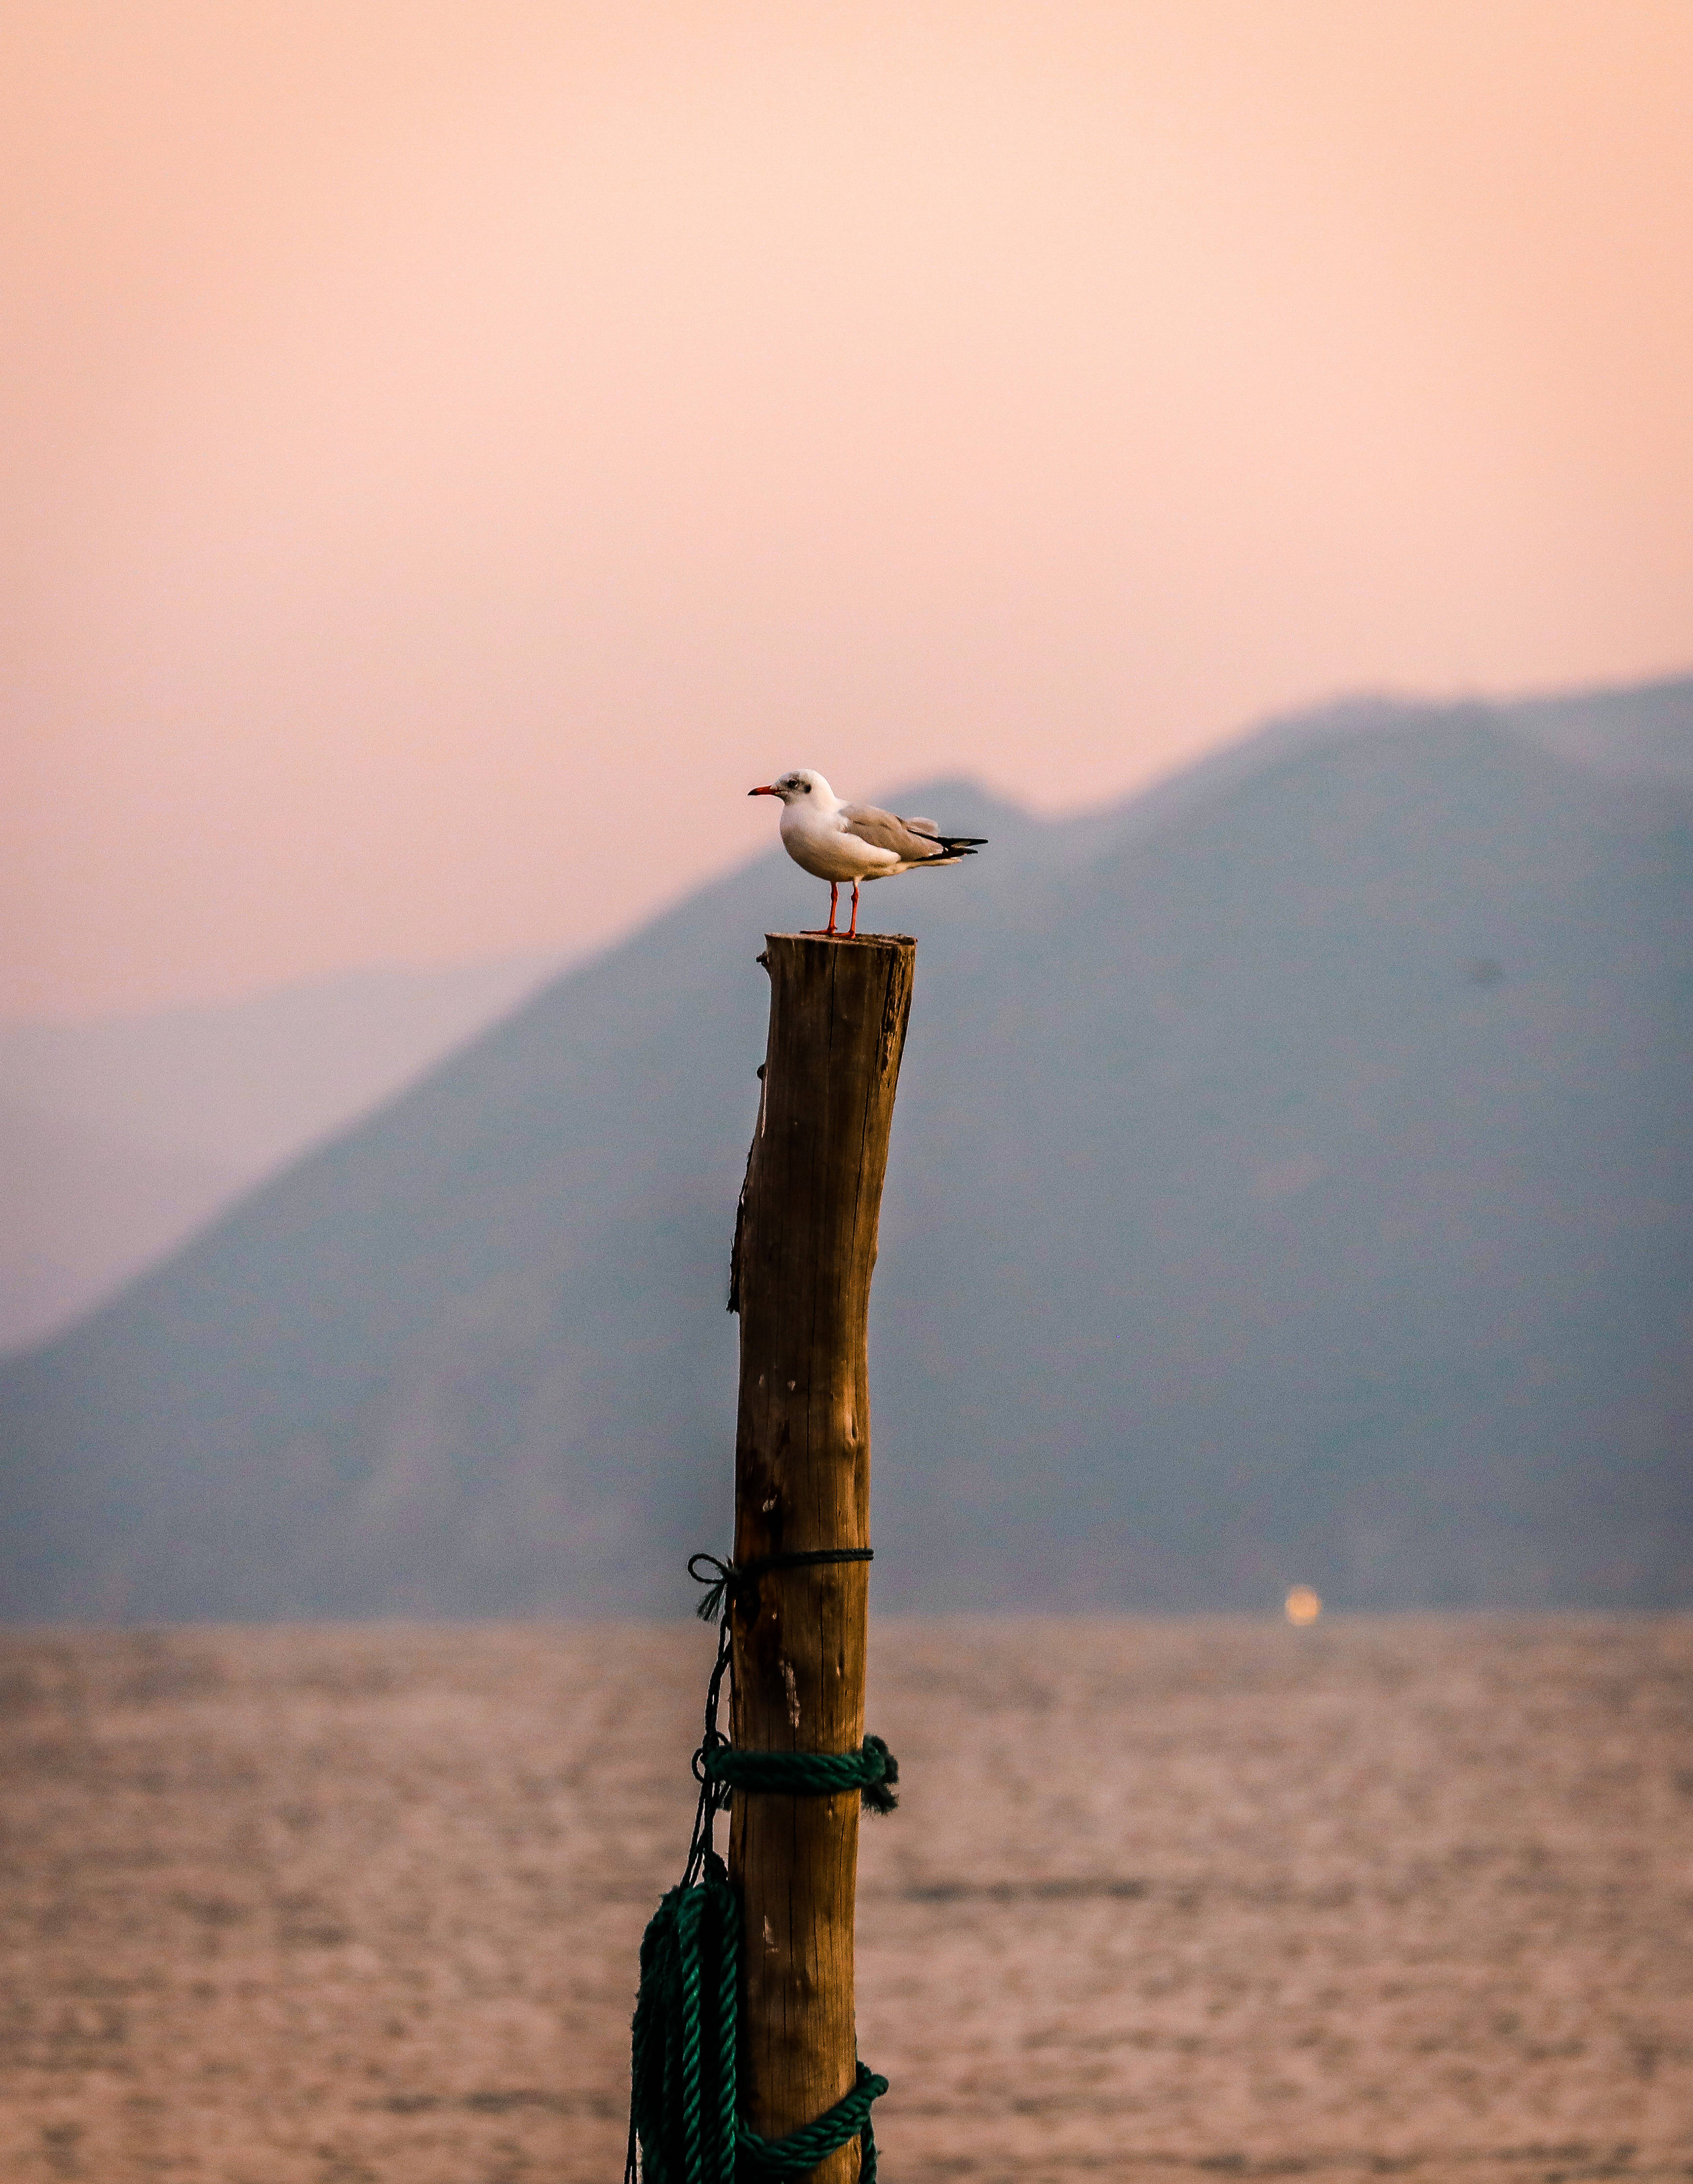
[{"x": 912, "y": 840}]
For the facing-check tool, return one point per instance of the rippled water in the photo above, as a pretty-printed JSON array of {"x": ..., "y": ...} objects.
[{"x": 1162, "y": 1898}]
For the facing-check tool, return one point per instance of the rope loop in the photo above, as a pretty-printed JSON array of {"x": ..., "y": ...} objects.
[
  {"x": 801, "y": 2151},
  {"x": 872, "y": 1770},
  {"x": 685, "y": 2126},
  {"x": 684, "y": 2123},
  {"x": 731, "y": 1578},
  {"x": 710, "y": 1606}
]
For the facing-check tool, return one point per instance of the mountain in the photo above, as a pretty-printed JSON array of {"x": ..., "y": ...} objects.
[
  {"x": 80, "y": 1214},
  {"x": 119, "y": 1138},
  {"x": 1292, "y": 1180}
]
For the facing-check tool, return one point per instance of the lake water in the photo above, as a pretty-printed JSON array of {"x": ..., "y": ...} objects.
[{"x": 315, "y": 1906}]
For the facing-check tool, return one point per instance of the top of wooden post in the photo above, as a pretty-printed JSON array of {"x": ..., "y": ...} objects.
[{"x": 851, "y": 940}]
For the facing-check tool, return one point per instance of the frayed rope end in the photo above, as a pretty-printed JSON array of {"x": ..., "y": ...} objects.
[{"x": 877, "y": 1796}]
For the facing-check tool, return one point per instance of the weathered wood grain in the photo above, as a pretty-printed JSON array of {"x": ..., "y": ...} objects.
[{"x": 805, "y": 1251}]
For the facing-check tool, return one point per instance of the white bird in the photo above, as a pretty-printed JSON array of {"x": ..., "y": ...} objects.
[{"x": 838, "y": 842}]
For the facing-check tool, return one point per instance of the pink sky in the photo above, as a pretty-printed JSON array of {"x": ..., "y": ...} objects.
[{"x": 451, "y": 452}]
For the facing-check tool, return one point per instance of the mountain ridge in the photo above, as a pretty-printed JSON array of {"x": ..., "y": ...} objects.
[
  {"x": 124, "y": 1136},
  {"x": 1292, "y": 1186}
]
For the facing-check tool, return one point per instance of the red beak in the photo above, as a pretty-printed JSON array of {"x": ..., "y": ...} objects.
[{"x": 760, "y": 792}]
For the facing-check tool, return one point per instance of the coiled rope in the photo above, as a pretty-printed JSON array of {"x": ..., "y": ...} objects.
[{"x": 684, "y": 2124}]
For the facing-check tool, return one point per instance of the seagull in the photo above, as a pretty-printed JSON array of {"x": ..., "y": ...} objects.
[{"x": 837, "y": 842}]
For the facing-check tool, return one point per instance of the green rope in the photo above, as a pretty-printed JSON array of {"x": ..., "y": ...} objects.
[
  {"x": 684, "y": 2123},
  {"x": 802, "y": 2150},
  {"x": 682, "y": 2073},
  {"x": 872, "y": 1770},
  {"x": 682, "y": 2108}
]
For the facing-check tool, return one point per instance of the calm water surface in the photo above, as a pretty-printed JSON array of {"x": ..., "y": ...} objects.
[{"x": 362, "y": 1907}]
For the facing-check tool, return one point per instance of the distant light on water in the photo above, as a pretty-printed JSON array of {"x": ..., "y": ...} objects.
[{"x": 1303, "y": 1605}]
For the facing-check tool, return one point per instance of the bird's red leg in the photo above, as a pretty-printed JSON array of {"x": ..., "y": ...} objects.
[
  {"x": 852, "y": 934},
  {"x": 826, "y": 931}
]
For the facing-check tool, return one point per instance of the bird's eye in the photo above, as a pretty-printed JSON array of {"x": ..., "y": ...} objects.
[{"x": 806, "y": 786}]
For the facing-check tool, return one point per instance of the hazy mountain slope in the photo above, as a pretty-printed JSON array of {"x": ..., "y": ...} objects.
[
  {"x": 80, "y": 1216},
  {"x": 120, "y": 1137},
  {"x": 1335, "y": 1218},
  {"x": 1291, "y": 1179},
  {"x": 474, "y": 1352},
  {"x": 1642, "y": 734}
]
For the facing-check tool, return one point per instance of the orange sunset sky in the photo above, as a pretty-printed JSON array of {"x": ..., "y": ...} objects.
[{"x": 452, "y": 452}]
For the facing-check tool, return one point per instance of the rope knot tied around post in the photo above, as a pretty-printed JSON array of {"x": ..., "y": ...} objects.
[
  {"x": 801, "y": 2151},
  {"x": 685, "y": 2125},
  {"x": 720, "y": 1767},
  {"x": 872, "y": 1770},
  {"x": 729, "y": 1586}
]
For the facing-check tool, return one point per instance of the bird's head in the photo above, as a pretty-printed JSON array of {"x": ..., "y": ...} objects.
[{"x": 802, "y": 786}]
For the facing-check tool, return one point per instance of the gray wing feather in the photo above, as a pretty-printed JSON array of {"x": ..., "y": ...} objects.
[{"x": 906, "y": 838}]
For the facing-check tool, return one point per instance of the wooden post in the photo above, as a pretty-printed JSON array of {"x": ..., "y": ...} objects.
[{"x": 805, "y": 1248}]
